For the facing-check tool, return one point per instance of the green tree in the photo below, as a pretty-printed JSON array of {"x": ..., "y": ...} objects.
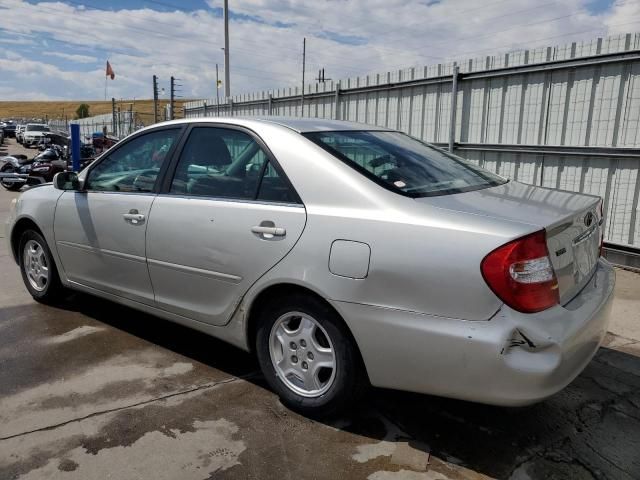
[{"x": 82, "y": 111}]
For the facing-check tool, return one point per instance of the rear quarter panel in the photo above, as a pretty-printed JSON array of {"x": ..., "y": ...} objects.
[{"x": 418, "y": 263}]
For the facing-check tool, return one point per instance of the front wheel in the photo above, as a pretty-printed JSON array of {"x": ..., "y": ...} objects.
[
  {"x": 38, "y": 269},
  {"x": 308, "y": 356}
]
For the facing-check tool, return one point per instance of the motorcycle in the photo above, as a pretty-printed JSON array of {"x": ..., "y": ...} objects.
[
  {"x": 12, "y": 164},
  {"x": 39, "y": 169}
]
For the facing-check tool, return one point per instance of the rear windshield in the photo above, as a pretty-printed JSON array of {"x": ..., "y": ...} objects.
[
  {"x": 37, "y": 128},
  {"x": 403, "y": 164}
]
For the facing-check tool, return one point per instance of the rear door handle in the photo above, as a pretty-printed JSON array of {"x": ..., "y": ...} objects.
[{"x": 274, "y": 231}]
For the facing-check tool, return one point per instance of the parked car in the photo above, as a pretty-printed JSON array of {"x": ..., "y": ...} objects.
[
  {"x": 33, "y": 133},
  {"x": 9, "y": 129},
  {"x": 342, "y": 254},
  {"x": 20, "y": 133}
]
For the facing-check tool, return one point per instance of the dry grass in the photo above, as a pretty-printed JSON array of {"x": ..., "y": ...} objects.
[{"x": 55, "y": 109}]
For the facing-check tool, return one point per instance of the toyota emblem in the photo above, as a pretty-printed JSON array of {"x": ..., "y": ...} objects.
[{"x": 588, "y": 219}]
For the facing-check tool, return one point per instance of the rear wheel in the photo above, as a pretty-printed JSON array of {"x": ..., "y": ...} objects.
[
  {"x": 14, "y": 187},
  {"x": 38, "y": 269},
  {"x": 308, "y": 356}
]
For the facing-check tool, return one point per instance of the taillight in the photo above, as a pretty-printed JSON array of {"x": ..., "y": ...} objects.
[{"x": 521, "y": 275}]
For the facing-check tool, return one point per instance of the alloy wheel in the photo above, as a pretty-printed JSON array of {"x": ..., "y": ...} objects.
[
  {"x": 302, "y": 354},
  {"x": 35, "y": 265}
]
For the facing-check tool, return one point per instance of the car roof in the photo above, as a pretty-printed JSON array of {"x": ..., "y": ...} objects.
[
  {"x": 303, "y": 125},
  {"x": 300, "y": 125}
]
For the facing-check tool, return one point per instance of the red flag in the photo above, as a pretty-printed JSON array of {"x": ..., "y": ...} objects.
[{"x": 110, "y": 72}]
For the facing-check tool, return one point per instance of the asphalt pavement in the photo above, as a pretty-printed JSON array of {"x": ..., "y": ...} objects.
[{"x": 93, "y": 390}]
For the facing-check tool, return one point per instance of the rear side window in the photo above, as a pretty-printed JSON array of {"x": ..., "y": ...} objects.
[
  {"x": 226, "y": 163},
  {"x": 403, "y": 164}
]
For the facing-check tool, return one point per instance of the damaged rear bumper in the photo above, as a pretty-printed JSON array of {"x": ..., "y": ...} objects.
[{"x": 513, "y": 359}]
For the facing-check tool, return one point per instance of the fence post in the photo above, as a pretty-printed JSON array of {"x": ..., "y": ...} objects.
[
  {"x": 230, "y": 108},
  {"x": 336, "y": 112},
  {"x": 270, "y": 104},
  {"x": 204, "y": 104},
  {"x": 113, "y": 115},
  {"x": 119, "y": 124},
  {"x": 75, "y": 147},
  {"x": 454, "y": 105}
]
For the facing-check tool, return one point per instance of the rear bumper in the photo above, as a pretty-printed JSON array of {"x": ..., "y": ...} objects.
[{"x": 513, "y": 359}]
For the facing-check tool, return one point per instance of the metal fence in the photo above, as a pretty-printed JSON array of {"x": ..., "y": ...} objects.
[
  {"x": 565, "y": 117},
  {"x": 118, "y": 125}
]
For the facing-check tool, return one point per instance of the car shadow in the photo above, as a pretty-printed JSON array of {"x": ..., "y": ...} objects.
[{"x": 589, "y": 430}]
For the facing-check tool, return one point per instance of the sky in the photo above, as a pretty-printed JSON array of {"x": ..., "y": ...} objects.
[{"x": 58, "y": 50}]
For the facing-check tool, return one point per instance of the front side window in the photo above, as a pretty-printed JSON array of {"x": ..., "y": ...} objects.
[
  {"x": 226, "y": 163},
  {"x": 403, "y": 164},
  {"x": 134, "y": 167}
]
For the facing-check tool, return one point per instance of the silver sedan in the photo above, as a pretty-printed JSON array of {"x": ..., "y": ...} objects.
[{"x": 343, "y": 255}]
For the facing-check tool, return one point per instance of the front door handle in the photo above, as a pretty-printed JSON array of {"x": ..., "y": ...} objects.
[
  {"x": 272, "y": 231},
  {"x": 133, "y": 216}
]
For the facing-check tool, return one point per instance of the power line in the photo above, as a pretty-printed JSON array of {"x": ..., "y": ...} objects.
[
  {"x": 161, "y": 34},
  {"x": 253, "y": 51},
  {"x": 526, "y": 42},
  {"x": 379, "y": 48},
  {"x": 350, "y": 67},
  {"x": 549, "y": 38}
]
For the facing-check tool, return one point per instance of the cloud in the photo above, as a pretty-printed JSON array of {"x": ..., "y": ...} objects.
[
  {"x": 347, "y": 38},
  {"x": 73, "y": 57}
]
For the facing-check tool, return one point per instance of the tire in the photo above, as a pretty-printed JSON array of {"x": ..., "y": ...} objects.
[
  {"x": 42, "y": 265},
  {"x": 13, "y": 187},
  {"x": 318, "y": 330}
]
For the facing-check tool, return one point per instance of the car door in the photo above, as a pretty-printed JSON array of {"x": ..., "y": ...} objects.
[
  {"x": 226, "y": 216},
  {"x": 100, "y": 231}
]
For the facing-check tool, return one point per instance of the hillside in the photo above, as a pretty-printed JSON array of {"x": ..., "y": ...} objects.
[{"x": 60, "y": 109}]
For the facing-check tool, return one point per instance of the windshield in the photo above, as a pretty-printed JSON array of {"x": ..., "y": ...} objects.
[
  {"x": 37, "y": 128},
  {"x": 403, "y": 164}
]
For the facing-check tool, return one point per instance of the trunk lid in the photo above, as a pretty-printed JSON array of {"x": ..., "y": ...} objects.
[{"x": 572, "y": 221}]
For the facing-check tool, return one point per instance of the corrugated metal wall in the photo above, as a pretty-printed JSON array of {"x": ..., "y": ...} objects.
[{"x": 564, "y": 117}]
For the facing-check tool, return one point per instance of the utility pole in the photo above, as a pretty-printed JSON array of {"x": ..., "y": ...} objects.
[
  {"x": 172, "y": 98},
  {"x": 217, "y": 95},
  {"x": 227, "y": 81},
  {"x": 155, "y": 99},
  {"x": 304, "y": 59}
]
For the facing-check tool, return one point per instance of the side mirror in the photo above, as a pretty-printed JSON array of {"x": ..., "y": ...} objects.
[{"x": 66, "y": 181}]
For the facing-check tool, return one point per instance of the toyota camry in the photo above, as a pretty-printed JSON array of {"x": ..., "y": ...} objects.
[{"x": 343, "y": 255}]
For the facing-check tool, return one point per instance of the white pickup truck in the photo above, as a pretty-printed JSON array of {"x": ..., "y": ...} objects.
[{"x": 33, "y": 133}]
